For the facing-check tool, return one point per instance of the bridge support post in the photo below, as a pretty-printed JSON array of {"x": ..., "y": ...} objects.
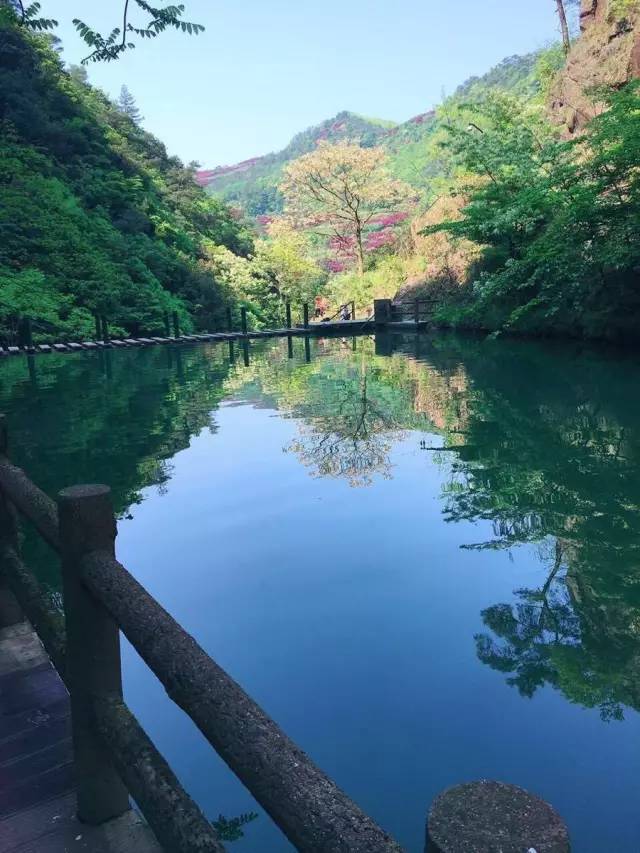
[
  {"x": 229, "y": 320},
  {"x": 87, "y": 524},
  {"x": 305, "y": 315},
  {"x": 288, "y": 314},
  {"x": 353, "y": 310},
  {"x": 382, "y": 311},
  {"x": 243, "y": 320},
  {"x": 176, "y": 325},
  {"x": 27, "y": 333},
  {"x": 105, "y": 330},
  {"x": 167, "y": 326}
]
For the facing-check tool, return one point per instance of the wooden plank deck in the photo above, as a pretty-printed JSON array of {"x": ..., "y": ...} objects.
[{"x": 37, "y": 789}]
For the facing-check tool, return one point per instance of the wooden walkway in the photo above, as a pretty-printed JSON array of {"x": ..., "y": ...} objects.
[
  {"x": 37, "y": 790},
  {"x": 336, "y": 327}
]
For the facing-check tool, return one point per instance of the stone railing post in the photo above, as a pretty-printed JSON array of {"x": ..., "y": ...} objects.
[
  {"x": 87, "y": 524},
  {"x": 489, "y": 815}
]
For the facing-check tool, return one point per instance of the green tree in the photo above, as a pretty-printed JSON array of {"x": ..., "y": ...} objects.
[
  {"x": 78, "y": 74},
  {"x": 556, "y": 219},
  {"x": 127, "y": 105}
]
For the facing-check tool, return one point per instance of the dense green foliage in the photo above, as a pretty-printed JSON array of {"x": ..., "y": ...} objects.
[
  {"x": 95, "y": 216},
  {"x": 558, "y": 220}
]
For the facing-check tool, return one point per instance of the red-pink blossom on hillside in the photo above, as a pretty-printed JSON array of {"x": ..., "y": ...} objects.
[
  {"x": 388, "y": 220},
  {"x": 378, "y": 239}
]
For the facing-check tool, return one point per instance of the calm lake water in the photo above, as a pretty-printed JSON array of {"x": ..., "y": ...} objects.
[{"x": 412, "y": 617}]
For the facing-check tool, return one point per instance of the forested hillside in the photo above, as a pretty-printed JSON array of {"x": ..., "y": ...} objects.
[
  {"x": 95, "y": 216},
  {"x": 513, "y": 207},
  {"x": 253, "y": 184}
]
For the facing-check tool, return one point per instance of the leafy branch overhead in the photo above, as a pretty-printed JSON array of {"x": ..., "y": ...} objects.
[
  {"x": 106, "y": 48},
  {"x": 110, "y": 48}
]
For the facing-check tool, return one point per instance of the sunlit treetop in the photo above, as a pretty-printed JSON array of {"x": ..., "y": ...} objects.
[{"x": 106, "y": 48}]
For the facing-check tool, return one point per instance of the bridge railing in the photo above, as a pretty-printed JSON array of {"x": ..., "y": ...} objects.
[
  {"x": 114, "y": 757},
  {"x": 412, "y": 310}
]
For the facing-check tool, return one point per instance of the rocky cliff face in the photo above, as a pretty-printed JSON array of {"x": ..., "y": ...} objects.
[{"x": 607, "y": 53}]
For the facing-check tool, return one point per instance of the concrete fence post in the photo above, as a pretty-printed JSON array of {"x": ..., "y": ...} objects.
[
  {"x": 87, "y": 524},
  {"x": 487, "y": 815}
]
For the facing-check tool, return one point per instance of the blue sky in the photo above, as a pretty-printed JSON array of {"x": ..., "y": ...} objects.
[{"x": 265, "y": 69}]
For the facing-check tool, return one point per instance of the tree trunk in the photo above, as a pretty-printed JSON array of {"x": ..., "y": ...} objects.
[
  {"x": 564, "y": 26},
  {"x": 359, "y": 250}
]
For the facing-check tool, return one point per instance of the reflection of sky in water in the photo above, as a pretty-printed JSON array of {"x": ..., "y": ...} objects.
[{"x": 349, "y": 612}]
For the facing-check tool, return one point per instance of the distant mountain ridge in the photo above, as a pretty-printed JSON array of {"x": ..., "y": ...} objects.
[{"x": 253, "y": 184}]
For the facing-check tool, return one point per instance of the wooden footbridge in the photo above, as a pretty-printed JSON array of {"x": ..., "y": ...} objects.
[{"x": 413, "y": 315}]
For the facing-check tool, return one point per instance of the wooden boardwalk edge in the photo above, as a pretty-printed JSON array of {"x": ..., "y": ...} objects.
[{"x": 37, "y": 786}]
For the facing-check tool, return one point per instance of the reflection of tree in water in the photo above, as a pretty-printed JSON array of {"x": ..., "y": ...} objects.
[
  {"x": 354, "y": 440},
  {"x": 557, "y": 466}
]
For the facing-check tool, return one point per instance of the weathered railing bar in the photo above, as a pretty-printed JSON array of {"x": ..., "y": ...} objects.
[
  {"x": 177, "y": 822},
  {"x": 31, "y": 501},
  {"x": 25, "y": 495},
  {"x": 308, "y": 807},
  {"x": 87, "y": 523}
]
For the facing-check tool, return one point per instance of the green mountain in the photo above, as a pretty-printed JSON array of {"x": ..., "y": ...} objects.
[{"x": 252, "y": 184}]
